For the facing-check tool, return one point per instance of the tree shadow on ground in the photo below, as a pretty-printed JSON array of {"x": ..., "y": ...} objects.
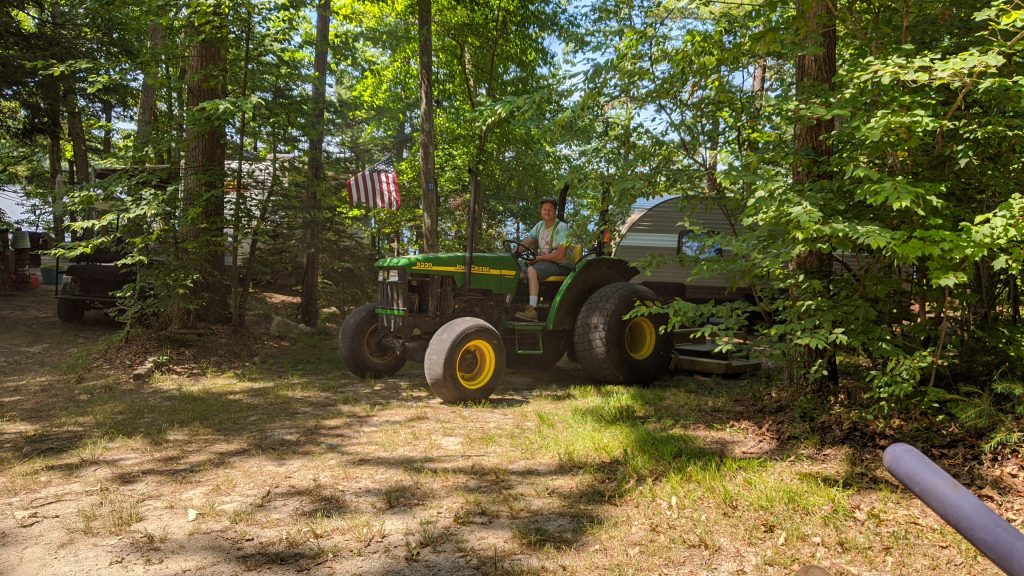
[{"x": 294, "y": 403}]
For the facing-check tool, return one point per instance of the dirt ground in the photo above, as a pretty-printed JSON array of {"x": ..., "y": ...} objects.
[{"x": 270, "y": 459}]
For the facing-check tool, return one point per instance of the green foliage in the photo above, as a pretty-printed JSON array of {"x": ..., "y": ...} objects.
[
  {"x": 916, "y": 222},
  {"x": 995, "y": 412}
]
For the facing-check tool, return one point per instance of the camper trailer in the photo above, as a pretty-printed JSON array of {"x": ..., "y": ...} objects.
[{"x": 681, "y": 225}]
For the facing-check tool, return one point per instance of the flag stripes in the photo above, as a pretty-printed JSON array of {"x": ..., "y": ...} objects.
[{"x": 375, "y": 187}]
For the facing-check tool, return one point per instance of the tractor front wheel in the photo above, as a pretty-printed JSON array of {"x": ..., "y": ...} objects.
[
  {"x": 465, "y": 360},
  {"x": 361, "y": 347},
  {"x": 617, "y": 351}
]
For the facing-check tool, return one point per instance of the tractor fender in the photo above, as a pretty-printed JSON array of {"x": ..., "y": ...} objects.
[{"x": 589, "y": 275}]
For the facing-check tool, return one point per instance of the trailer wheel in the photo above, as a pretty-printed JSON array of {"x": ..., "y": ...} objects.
[
  {"x": 618, "y": 351},
  {"x": 359, "y": 342},
  {"x": 555, "y": 345},
  {"x": 465, "y": 360},
  {"x": 69, "y": 310}
]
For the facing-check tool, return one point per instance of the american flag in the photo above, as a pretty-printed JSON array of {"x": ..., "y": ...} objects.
[{"x": 376, "y": 187}]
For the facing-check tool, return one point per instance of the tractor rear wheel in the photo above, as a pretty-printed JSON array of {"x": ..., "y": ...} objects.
[
  {"x": 465, "y": 360},
  {"x": 360, "y": 345},
  {"x": 618, "y": 351}
]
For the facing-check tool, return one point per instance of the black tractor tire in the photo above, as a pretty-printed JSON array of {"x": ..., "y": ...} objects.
[
  {"x": 570, "y": 354},
  {"x": 555, "y": 345},
  {"x": 616, "y": 351},
  {"x": 360, "y": 346},
  {"x": 465, "y": 361}
]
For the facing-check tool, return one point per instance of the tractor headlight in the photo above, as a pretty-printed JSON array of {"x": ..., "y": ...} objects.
[
  {"x": 382, "y": 275},
  {"x": 392, "y": 275}
]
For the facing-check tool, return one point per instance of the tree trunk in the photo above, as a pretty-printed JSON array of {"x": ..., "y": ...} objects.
[
  {"x": 309, "y": 309},
  {"x": 240, "y": 205},
  {"x": 815, "y": 71},
  {"x": 760, "y": 73},
  {"x": 1014, "y": 281},
  {"x": 202, "y": 197},
  {"x": 76, "y": 133},
  {"x": 257, "y": 229},
  {"x": 427, "y": 177},
  {"x": 711, "y": 164},
  {"x": 108, "y": 127},
  {"x": 51, "y": 103},
  {"x": 146, "y": 118}
]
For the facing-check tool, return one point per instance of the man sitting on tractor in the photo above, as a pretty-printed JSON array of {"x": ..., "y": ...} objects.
[{"x": 553, "y": 258}]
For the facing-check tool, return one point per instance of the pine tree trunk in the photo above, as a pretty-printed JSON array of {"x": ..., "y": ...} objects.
[
  {"x": 76, "y": 133},
  {"x": 51, "y": 106},
  {"x": 427, "y": 172},
  {"x": 202, "y": 198},
  {"x": 240, "y": 204},
  {"x": 146, "y": 118},
  {"x": 309, "y": 309},
  {"x": 108, "y": 127},
  {"x": 815, "y": 72}
]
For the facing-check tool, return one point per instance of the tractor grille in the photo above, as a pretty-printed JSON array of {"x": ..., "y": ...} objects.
[{"x": 391, "y": 298}]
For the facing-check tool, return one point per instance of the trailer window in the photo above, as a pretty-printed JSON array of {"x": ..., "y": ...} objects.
[{"x": 699, "y": 244}]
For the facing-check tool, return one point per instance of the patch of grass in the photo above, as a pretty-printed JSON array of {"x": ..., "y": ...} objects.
[
  {"x": 325, "y": 502},
  {"x": 470, "y": 509},
  {"x": 559, "y": 530},
  {"x": 312, "y": 355},
  {"x": 506, "y": 567},
  {"x": 241, "y": 516},
  {"x": 91, "y": 450},
  {"x": 130, "y": 413},
  {"x": 19, "y": 476},
  {"x": 318, "y": 531},
  {"x": 430, "y": 535},
  {"x": 113, "y": 513},
  {"x": 396, "y": 495},
  {"x": 513, "y": 502},
  {"x": 365, "y": 530},
  {"x": 149, "y": 540},
  {"x": 614, "y": 430},
  {"x": 78, "y": 364}
]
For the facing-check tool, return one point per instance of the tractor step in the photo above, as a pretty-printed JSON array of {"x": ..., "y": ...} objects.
[
  {"x": 533, "y": 345},
  {"x": 526, "y": 325}
]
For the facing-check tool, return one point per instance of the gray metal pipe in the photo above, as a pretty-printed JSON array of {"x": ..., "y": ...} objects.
[{"x": 987, "y": 531}]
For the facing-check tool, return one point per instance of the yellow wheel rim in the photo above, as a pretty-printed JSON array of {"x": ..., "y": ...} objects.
[
  {"x": 475, "y": 364},
  {"x": 640, "y": 338}
]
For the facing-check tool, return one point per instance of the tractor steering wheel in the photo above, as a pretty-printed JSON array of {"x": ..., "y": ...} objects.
[{"x": 519, "y": 250}]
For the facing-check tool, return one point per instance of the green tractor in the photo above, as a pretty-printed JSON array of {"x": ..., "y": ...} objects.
[{"x": 454, "y": 313}]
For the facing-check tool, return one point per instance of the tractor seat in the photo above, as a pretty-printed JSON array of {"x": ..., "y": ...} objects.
[{"x": 577, "y": 255}]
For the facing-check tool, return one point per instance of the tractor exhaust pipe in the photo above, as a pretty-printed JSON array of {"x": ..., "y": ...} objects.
[{"x": 986, "y": 530}]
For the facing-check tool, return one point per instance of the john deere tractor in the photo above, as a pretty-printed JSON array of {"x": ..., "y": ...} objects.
[{"x": 454, "y": 314}]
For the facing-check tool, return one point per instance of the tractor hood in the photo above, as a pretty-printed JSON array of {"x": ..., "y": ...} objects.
[{"x": 495, "y": 272}]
